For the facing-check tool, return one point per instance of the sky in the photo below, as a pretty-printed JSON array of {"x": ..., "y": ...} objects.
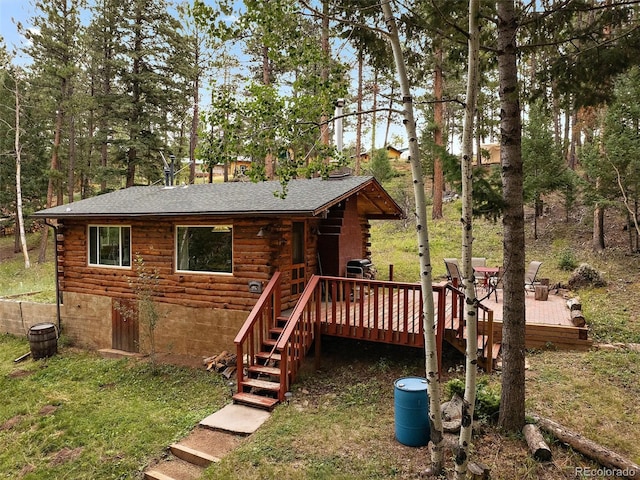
[{"x": 21, "y": 11}]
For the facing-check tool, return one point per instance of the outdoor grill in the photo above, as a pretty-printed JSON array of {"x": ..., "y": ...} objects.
[{"x": 361, "y": 268}]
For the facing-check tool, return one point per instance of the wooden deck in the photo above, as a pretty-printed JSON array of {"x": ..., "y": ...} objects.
[
  {"x": 548, "y": 323},
  {"x": 273, "y": 343},
  {"x": 391, "y": 315}
]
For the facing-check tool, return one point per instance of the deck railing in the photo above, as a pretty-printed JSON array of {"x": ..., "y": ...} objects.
[
  {"x": 454, "y": 320},
  {"x": 255, "y": 329},
  {"x": 299, "y": 332},
  {"x": 380, "y": 311}
]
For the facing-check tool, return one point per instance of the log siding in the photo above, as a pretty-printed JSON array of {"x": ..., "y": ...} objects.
[{"x": 254, "y": 259}]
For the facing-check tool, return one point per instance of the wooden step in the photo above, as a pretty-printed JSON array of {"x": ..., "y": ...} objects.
[
  {"x": 275, "y": 331},
  {"x": 495, "y": 351},
  {"x": 269, "y": 342},
  {"x": 264, "y": 370},
  {"x": 261, "y": 384},
  {"x": 264, "y": 356},
  {"x": 495, "y": 348},
  {"x": 174, "y": 469},
  {"x": 253, "y": 400},
  {"x": 191, "y": 455}
]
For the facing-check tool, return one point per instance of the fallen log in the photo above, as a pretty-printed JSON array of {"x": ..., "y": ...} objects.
[
  {"x": 574, "y": 303},
  {"x": 478, "y": 471},
  {"x": 577, "y": 318},
  {"x": 608, "y": 458},
  {"x": 537, "y": 446}
]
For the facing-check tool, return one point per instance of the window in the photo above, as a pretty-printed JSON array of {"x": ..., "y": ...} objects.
[
  {"x": 110, "y": 246},
  {"x": 204, "y": 249}
]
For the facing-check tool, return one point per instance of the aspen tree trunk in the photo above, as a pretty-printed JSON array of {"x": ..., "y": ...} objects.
[
  {"x": 471, "y": 305},
  {"x": 438, "y": 110},
  {"x": 389, "y": 117},
  {"x": 18, "y": 148},
  {"x": 359, "y": 117},
  {"x": 431, "y": 357},
  {"x": 374, "y": 117}
]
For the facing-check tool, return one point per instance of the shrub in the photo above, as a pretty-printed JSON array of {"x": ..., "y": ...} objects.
[
  {"x": 487, "y": 397},
  {"x": 567, "y": 261}
]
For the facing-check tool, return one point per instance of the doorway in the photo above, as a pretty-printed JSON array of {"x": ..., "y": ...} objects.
[{"x": 125, "y": 332}]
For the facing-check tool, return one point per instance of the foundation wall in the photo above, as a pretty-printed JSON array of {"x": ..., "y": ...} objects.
[{"x": 86, "y": 321}]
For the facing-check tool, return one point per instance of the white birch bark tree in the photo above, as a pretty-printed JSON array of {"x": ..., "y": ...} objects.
[
  {"x": 471, "y": 304},
  {"x": 426, "y": 280},
  {"x": 18, "y": 151}
]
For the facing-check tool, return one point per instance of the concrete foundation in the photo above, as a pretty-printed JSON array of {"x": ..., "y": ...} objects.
[{"x": 86, "y": 321}]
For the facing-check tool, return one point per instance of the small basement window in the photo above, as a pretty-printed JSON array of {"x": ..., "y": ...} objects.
[
  {"x": 204, "y": 249},
  {"x": 110, "y": 245}
]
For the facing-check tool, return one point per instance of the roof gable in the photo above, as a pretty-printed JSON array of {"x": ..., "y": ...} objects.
[{"x": 304, "y": 197}]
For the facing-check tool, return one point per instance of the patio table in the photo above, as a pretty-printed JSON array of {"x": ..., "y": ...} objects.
[{"x": 490, "y": 275}]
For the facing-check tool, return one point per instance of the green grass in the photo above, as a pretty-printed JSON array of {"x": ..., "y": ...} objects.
[
  {"x": 37, "y": 281},
  {"x": 79, "y": 416}
]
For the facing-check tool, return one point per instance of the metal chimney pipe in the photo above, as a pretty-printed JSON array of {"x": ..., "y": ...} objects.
[{"x": 172, "y": 169}]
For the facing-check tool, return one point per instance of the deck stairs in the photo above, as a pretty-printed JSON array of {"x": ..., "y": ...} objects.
[
  {"x": 260, "y": 386},
  {"x": 488, "y": 355},
  {"x": 272, "y": 346}
]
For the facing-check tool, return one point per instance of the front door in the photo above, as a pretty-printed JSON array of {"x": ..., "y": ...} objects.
[
  {"x": 124, "y": 326},
  {"x": 298, "y": 260}
]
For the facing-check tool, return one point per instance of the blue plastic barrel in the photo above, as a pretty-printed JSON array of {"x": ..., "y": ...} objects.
[{"x": 411, "y": 403}]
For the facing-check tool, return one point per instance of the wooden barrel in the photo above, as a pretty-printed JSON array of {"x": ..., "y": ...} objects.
[{"x": 43, "y": 340}]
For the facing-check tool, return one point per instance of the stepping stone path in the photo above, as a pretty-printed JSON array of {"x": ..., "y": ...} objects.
[{"x": 212, "y": 439}]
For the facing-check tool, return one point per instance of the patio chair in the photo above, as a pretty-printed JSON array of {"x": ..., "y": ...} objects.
[
  {"x": 479, "y": 262},
  {"x": 453, "y": 271},
  {"x": 530, "y": 278}
]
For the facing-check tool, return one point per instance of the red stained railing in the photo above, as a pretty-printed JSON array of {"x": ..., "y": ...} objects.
[
  {"x": 255, "y": 329},
  {"x": 380, "y": 311}
]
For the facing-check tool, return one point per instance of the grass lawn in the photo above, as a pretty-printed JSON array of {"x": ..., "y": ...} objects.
[{"x": 79, "y": 416}]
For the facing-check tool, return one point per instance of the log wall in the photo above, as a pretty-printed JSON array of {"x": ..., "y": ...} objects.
[{"x": 254, "y": 259}]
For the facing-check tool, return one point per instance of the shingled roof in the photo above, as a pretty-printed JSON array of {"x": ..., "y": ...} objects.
[{"x": 304, "y": 197}]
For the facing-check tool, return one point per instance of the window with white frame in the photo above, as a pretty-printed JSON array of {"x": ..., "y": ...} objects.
[
  {"x": 110, "y": 245},
  {"x": 204, "y": 248}
]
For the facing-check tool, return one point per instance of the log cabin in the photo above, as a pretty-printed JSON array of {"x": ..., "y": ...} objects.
[{"x": 213, "y": 248}]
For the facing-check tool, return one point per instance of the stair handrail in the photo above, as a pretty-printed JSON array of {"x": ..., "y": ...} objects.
[
  {"x": 484, "y": 323},
  {"x": 289, "y": 366},
  {"x": 487, "y": 331},
  {"x": 270, "y": 298}
]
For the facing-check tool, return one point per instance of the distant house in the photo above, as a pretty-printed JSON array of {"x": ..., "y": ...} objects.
[
  {"x": 395, "y": 153},
  {"x": 236, "y": 168},
  {"x": 493, "y": 152},
  {"x": 213, "y": 246}
]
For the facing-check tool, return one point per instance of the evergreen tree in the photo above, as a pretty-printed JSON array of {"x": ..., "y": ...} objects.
[
  {"x": 621, "y": 138},
  {"x": 542, "y": 161},
  {"x": 153, "y": 82}
]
